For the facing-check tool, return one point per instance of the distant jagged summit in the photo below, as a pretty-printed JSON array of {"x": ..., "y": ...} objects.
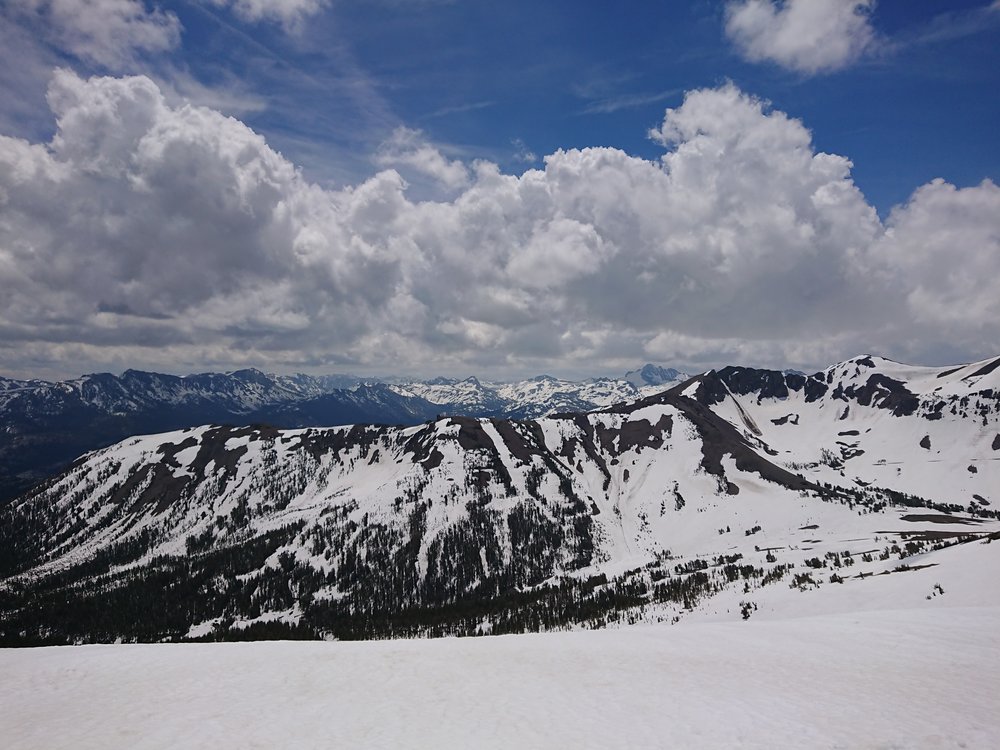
[{"x": 654, "y": 375}]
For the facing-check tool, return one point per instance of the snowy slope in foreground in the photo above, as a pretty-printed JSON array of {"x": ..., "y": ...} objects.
[{"x": 887, "y": 679}]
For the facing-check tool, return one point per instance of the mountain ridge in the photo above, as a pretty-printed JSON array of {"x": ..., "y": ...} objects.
[
  {"x": 703, "y": 499},
  {"x": 48, "y": 424}
]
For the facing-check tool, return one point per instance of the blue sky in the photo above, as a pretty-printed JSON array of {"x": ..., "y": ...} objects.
[
  {"x": 480, "y": 77},
  {"x": 343, "y": 91}
]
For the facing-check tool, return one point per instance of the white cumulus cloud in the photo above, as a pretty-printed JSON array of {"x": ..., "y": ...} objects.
[
  {"x": 407, "y": 147},
  {"x": 942, "y": 251},
  {"x": 808, "y": 36},
  {"x": 171, "y": 236}
]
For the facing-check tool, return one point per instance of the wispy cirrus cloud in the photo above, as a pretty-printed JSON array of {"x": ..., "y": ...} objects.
[
  {"x": 231, "y": 95},
  {"x": 522, "y": 153},
  {"x": 456, "y": 109},
  {"x": 108, "y": 33},
  {"x": 628, "y": 101},
  {"x": 952, "y": 25},
  {"x": 290, "y": 14}
]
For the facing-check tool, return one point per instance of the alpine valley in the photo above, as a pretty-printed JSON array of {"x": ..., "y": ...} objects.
[{"x": 496, "y": 509}]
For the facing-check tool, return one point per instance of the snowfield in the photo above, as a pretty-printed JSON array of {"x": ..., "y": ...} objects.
[{"x": 923, "y": 678}]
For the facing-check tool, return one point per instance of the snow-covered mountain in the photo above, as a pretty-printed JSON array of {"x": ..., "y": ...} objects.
[
  {"x": 538, "y": 396},
  {"x": 653, "y": 375},
  {"x": 927, "y": 431},
  {"x": 239, "y": 391},
  {"x": 733, "y": 488},
  {"x": 46, "y": 425}
]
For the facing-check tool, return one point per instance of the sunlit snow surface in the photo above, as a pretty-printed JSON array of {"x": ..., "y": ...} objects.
[
  {"x": 888, "y": 663},
  {"x": 879, "y": 679}
]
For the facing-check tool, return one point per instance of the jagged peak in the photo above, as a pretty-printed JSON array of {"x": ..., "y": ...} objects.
[
  {"x": 99, "y": 377},
  {"x": 251, "y": 374},
  {"x": 650, "y": 374},
  {"x": 440, "y": 380}
]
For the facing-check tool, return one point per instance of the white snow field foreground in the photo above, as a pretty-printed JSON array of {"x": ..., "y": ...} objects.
[{"x": 917, "y": 678}]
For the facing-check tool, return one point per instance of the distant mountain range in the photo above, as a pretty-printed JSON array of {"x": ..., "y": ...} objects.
[
  {"x": 730, "y": 490},
  {"x": 46, "y": 425}
]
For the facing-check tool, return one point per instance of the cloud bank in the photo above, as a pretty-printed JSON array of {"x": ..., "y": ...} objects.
[
  {"x": 807, "y": 36},
  {"x": 175, "y": 237}
]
